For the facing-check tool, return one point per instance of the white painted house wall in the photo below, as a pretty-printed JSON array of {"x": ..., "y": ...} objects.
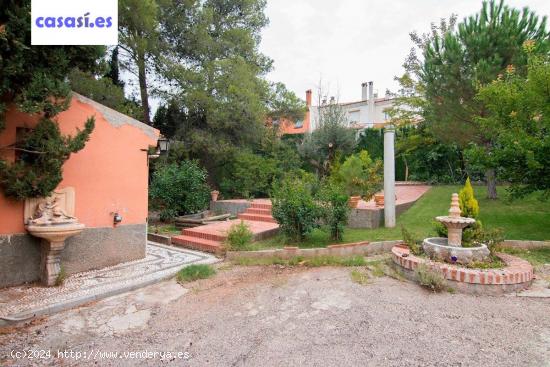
[{"x": 358, "y": 113}]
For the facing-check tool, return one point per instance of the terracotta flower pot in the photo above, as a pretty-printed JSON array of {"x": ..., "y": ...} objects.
[
  {"x": 379, "y": 199},
  {"x": 214, "y": 194},
  {"x": 353, "y": 201}
]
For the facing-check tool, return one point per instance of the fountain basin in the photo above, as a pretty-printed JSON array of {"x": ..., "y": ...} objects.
[
  {"x": 438, "y": 248},
  {"x": 55, "y": 232}
]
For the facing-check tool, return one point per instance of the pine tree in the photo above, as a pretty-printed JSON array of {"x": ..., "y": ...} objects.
[
  {"x": 139, "y": 37},
  {"x": 114, "y": 72},
  {"x": 457, "y": 60}
]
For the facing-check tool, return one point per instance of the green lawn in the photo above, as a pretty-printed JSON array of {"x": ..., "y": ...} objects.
[{"x": 525, "y": 219}]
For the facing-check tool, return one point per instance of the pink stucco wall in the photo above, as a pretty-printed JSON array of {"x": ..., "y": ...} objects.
[{"x": 109, "y": 175}]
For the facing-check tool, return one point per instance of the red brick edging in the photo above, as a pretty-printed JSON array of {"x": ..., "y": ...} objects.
[{"x": 517, "y": 271}]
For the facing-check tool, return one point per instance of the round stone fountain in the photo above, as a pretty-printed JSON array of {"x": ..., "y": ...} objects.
[
  {"x": 52, "y": 220},
  {"x": 450, "y": 249}
]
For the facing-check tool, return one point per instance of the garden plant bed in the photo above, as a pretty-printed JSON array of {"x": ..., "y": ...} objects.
[
  {"x": 517, "y": 275},
  {"x": 525, "y": 219}
]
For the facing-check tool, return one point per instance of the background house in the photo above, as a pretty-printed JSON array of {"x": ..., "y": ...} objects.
[
  {"x": 110, "y": 175},
  {"x": 369, "y": 112}
]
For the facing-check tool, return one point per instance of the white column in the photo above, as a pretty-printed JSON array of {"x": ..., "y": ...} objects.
[{"x": 389, "y": 177}]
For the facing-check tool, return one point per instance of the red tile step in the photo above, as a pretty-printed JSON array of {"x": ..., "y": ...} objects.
[
  {"x": 196, "y": 243},
  {"x": 210, "y": 237},
  {"x": 258, "y": 211},
  {"x": 257, "y": 217},
  {"x": 261, "y": 205},
  {"x": 204, "y": 232}
]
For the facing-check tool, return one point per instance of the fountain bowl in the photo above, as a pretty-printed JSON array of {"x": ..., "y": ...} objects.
[
  {"x": 438, "y": 248},
  {"x": 55, "y": 232}
]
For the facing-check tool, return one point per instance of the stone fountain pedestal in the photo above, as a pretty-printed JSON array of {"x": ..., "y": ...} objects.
[
  {"x": 450, "y": 249},
  {"x": 52, "y": 244}
]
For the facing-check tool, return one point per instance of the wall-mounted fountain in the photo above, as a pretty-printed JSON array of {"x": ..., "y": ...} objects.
[
  {"x": 450, "y": 249},
  {"x": 52, "y": 219}
]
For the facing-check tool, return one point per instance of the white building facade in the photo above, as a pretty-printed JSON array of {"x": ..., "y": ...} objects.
[{"x": 369, "y": 112}]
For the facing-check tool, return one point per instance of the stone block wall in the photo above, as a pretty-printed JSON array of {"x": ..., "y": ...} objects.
[{"x": 233, "y": 207}]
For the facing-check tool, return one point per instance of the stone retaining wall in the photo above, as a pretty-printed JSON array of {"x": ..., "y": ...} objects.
[
  {"x": 159, "y": 238},
  {"x": 233, "y": 207},
  {"x": 526, "y": 244},
  {"x": 373, "y": 217},
  {"x": 349, "y": 249}
]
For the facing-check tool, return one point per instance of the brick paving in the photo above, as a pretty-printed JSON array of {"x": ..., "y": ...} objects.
[{"x": 404, "y": 193}]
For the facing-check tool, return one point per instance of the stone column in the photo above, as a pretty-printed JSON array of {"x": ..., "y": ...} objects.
[
  {"x": 50, "y": 266},
  {"x": 454, "y": 235},
  {"x": 389, "y": 177}
]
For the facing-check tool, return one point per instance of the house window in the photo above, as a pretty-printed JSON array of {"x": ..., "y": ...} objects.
[
  {"x": 298, "y": 124},
  {"x": 353, "y": 116}
]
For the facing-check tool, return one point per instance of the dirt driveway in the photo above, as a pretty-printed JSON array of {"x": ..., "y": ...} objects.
[{"x": 292, "y": 317}]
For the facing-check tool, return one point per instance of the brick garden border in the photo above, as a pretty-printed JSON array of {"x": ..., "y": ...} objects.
[
  {"x": 517, "y": 275},
  {"x": 525, "y": 244},
  {"x": 159, "y": 238}
]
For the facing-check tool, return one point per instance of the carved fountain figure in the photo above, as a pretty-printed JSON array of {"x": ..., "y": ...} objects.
[
  {"x": 450, "y": 249},
  {"x": 52, "y": 219}
]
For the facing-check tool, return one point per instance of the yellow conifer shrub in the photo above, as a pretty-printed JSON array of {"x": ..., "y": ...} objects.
[{"x": 469, "y": 206}]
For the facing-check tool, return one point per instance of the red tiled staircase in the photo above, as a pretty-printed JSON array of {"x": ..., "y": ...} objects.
[
  {"x": 210, "y": 237},
  {"x": 260, "y": 212}
]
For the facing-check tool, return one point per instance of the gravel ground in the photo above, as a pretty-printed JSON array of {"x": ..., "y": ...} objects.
[{"x": 294, "y": 317}]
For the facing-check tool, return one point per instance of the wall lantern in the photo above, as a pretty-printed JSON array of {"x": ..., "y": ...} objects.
[{"x": 163, "y": 144}]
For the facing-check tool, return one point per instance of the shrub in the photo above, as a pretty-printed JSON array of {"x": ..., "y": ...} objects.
[
  {"x": 492, "y": 238},
  {"x": 249, "y": 175},
  {"x": 469, "y": 206},
  {"x": 440, "y": 229},
  {"x": 334, "y": 208},
  {"x": 239, "y": 237},
  {"x": 179, "y": 189},
  {"x": 472, "y": 233},
  {"x": 430, "y": 278},
  {"x": 360, "y": 175},
  {"x": 415, "y": 245},
  {"x": 194, "y": 272},
  {"x": 294, "y": 208}
]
